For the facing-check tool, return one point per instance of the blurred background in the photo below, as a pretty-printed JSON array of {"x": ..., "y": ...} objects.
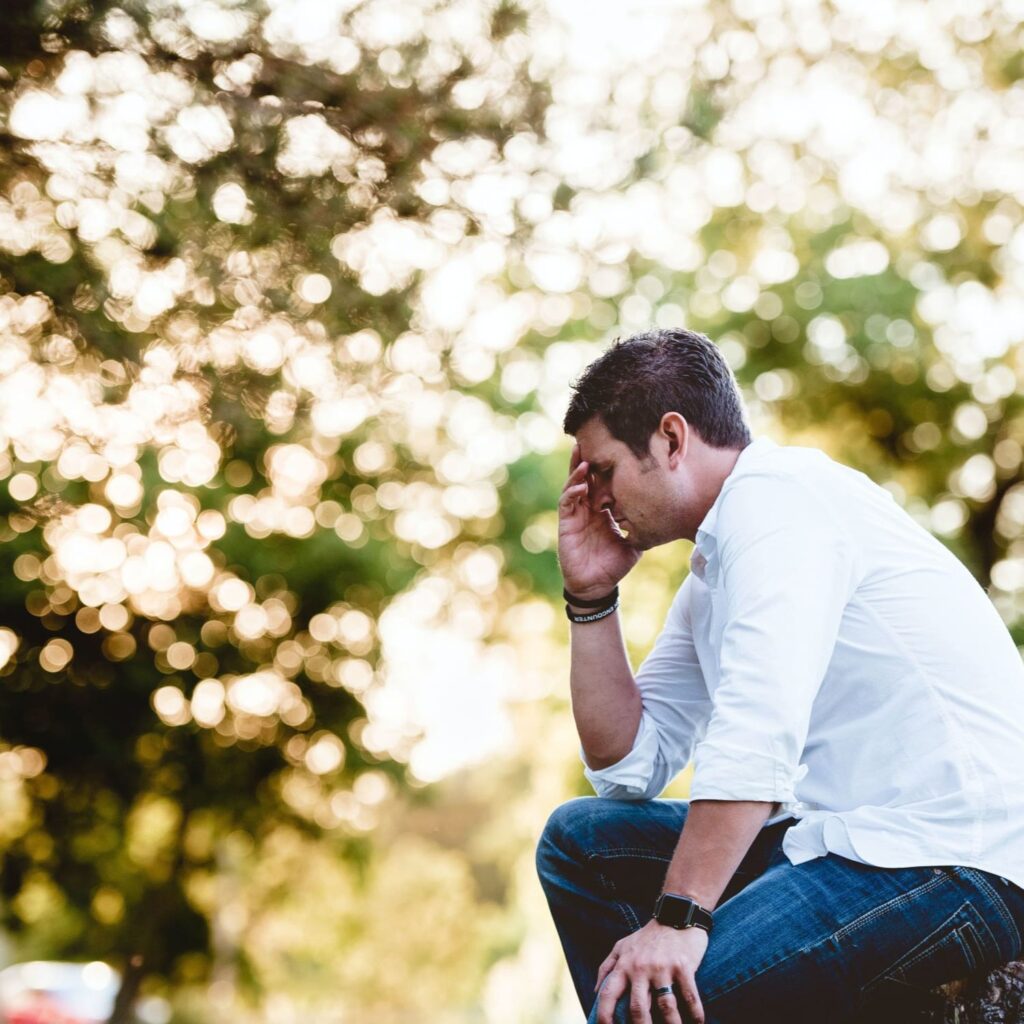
[{"x": 291, "y": 296}]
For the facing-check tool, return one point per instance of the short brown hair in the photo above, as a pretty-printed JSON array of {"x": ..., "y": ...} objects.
[{"x": 637, "y": 381}]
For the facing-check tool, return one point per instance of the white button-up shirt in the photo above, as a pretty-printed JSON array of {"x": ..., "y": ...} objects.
[{"x": 828, "y": 653}]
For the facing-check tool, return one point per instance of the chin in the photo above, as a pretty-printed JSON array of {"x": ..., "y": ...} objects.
[{"x": 637, "y": 542}]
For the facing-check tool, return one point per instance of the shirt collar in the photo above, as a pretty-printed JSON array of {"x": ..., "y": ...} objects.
[{"x": 703, "y": 560}]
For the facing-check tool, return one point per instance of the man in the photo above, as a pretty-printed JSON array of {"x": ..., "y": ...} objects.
[{"x": 852, "y": 702}]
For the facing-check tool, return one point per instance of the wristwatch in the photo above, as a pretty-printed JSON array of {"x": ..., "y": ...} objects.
[{"x": 681, "y": 912}]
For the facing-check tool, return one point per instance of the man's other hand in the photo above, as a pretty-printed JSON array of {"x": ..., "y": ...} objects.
[{"x": 654, "y": 957}]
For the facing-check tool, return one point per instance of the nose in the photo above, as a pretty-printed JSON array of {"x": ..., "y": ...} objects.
[{"x": 600, "y": 495}]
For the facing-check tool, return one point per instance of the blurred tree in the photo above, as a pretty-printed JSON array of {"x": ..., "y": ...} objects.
[
  {"x": 287, "y": 286},
  {"x": 832, "y": 196},
  {"x": 229, "y": 436}
]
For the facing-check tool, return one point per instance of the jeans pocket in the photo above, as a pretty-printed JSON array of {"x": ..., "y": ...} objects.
[{"x": 958, "y": 948}]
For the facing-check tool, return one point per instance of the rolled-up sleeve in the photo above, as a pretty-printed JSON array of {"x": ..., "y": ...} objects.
[
  {"x": 675, "y": 711},
  {"x": 787, "y": 570}
]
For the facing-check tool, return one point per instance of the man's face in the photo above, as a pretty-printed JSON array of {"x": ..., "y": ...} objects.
[{"x": 635, "y": 491}]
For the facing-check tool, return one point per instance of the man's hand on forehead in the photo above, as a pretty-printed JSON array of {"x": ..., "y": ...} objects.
[{"x": 592, "y": 552}]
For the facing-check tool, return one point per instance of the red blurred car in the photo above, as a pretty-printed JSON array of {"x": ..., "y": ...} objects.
[{"x": 47, "y": 992}]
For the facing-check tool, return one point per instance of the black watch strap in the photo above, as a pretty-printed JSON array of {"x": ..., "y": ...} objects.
[{"x": 681, "y": 912}]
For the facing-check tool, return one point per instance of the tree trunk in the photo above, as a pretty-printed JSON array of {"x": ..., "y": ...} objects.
[
  {"x": 150, "y": 916},
  {"x": 131, "y": 979}
]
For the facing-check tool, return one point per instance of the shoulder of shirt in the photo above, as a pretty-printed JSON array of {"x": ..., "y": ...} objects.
[
  {"x": 774, "y": 473},
  {"x": 791, "y": 463},
  {"x": 799, "y": 490}
]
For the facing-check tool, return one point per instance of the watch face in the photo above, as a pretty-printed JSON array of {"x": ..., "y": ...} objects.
[
  {"x": 681, "y": 912},
  {"x": 673, "y": 910}
]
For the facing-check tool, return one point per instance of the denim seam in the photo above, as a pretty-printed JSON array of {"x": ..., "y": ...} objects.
[
  {"x": 983, "y": 883},
  {"x": 957, "y": 936},
  {"x": 624, "y": 907},
  {"x": 834, "y": 937},
  {"x": 896, "y": 901},
  {"x": 976, "y": 945},
  {"x": 619, "y": 851},
  {"x": 944, "y": 933}
]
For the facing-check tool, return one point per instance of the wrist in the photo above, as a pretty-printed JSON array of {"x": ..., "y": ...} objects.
[
  {"x": 589, "y": 597},
  {"x": 702, "y": 899},
  {"x": 586, "y": 609},
  {"x": 579, "y": 609}
]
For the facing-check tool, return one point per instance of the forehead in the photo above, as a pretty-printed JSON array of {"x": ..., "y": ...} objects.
[{"x": 597, "y": 444}]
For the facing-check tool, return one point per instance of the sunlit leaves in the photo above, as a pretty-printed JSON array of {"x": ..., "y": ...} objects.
[{"x": 246, "y": 271}]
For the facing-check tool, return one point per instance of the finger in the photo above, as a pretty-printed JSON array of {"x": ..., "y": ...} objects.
[
  {"x": 667, "y": 1002},
  {"x": 614, "y": 986},
  {"x": 576, "y": 477},
  {"x": 687, "y": 987},
  {"x": 572, "y": 494},
  {"x": 579, "y": 473},
  {"x": 640, "y": 1001},
  {"x": 606, "y": 966}
]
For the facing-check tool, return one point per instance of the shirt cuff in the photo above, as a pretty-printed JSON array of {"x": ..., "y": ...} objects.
[
  {"x": 631, "y": 775},
  {"x": 732, "y": 773}
]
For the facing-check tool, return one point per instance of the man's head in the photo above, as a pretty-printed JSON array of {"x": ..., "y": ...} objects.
[{"x": 660, "y": 419}]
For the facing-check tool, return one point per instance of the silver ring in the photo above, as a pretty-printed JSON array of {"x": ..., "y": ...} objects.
[{"x": 664, "y": 990}]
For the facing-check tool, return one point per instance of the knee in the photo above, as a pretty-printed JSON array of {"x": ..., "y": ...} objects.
[
  {"x": 573, "y": 831},
  {"x": 561, "y": 835},
  {"x": 580, "y": 827}
]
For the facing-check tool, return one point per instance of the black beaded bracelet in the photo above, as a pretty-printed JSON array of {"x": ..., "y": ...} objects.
[
  {"x": 591, "y": 616},
  {"x": 601, "y": 603}
]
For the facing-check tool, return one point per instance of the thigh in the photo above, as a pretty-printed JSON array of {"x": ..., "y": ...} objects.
[
  {"x": 818, "y": 940},
  {"x": 627, "y": 845}
]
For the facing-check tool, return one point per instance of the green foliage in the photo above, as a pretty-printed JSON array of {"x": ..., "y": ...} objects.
[
  {"x": 288, "y": 311},
  {"x": 193, "y": 186}
]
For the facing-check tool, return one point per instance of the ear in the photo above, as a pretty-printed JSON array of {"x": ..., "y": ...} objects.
[{"x": 674, "y": 433}]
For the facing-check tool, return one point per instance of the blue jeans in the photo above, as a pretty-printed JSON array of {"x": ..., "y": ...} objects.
[{"x": 825, "y": 941}]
